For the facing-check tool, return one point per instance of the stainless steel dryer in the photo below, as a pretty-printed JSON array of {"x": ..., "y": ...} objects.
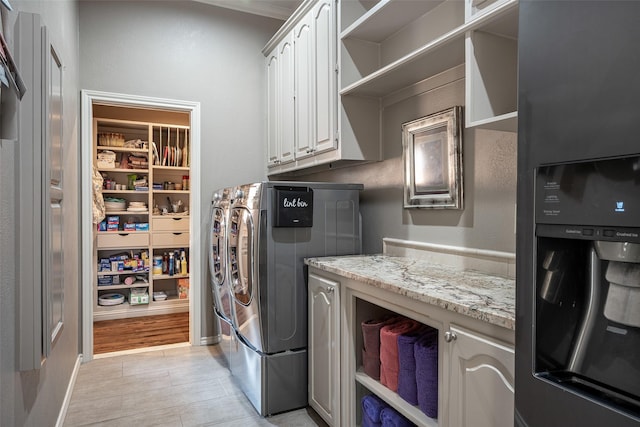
[
  {"x": 223, "y": 304},
  {"x": 273, "y": 226}
]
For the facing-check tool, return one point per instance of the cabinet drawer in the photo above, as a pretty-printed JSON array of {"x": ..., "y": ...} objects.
[
  {"x": 123, "y": 240},
  {"x": 170, "y": 239},
  {"x": 170, "y": 224}
]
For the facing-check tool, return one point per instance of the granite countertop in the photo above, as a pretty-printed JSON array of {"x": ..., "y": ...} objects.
[{"x": 477, "y": 295}]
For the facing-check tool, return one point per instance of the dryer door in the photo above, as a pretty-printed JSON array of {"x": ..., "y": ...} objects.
[
  {"x": 218, "y": 263},
  {"x": 242, "y": 273}
]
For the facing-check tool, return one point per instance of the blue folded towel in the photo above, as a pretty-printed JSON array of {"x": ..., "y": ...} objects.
[
  {"x": 392, "y": 418},
  {"x": 372, "y": 407}
]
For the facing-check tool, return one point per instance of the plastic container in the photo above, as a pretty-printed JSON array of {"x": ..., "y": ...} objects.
[{"x": 157, "y": 264}]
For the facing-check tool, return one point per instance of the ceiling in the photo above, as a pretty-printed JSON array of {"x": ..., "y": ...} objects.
[{"x": 278, "y": 9}]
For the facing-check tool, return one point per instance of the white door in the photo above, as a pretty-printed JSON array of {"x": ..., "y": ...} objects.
[
  {"x": 482, "y": 381},
  {"x": 324, "y": 347}
]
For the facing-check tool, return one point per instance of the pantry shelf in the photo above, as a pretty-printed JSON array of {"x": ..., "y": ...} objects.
[
  {"x": 123, "y": 170},
  {"x": 172, "y": 168},
  {"x": 125, "y": 191},
  {"x": 122, "y": 149},
  {"x": 122, "y": 286},
  {"x": 166, "y": 276}
]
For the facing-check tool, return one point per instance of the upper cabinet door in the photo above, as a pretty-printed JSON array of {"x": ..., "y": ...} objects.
[
  {"x": 273, "y": 153},
  {"x": 304, "y": 85},
  {"x": 325, "y": 75},
  {"x": 286, "y": 112}
]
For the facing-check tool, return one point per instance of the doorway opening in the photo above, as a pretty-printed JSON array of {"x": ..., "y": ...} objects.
[{"x": 140, "y": 247}]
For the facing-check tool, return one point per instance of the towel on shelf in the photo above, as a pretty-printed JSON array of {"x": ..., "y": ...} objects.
[
  {"x": 407, "y": 388},
  {"x": 372, "y": 406},
  {"x": 371, "y": 345},
  {"x": 392, "y": 418},
  {"x": 389, "y": 350},
  {"x": 426, "y": 356}
]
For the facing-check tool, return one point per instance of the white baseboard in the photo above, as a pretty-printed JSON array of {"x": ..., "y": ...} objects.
[
  {"x": 67, "y": 396},
  {"x": 210, "y": 340}
]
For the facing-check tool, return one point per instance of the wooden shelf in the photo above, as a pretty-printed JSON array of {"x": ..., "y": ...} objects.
[
  {"x": 117, "y": 273},
  {"x": 172, "y": 168},
  {"x": 126, "y": 213},
  {"x": 114, "y": 287},
  {"x": 166, "y": 276},
  {"x": 123, "y": 170},
  {"x": 171, "y": 191},
  {"x": 123, "y": 149},
  {"x": 125, "y": 191}
]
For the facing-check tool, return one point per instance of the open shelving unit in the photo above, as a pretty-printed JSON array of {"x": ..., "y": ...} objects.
[
  {"x": 388, "y": 46},
  {"x": 161, "y": 231}
]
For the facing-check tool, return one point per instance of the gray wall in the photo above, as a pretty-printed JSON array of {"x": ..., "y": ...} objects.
[
  {"x": 195, "y": 52},
  {"x": 489, "y": 167},
  {"x": 34, "y": 398}
]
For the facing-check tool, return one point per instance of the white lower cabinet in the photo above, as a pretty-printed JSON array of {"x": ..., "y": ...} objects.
[
  {"x": 324, "y": 347},
  {"x": 481, "y": 388},
  {"x": 475, "y": 358}
]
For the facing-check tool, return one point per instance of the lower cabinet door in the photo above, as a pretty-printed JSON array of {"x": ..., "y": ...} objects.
[
  {"x": 324, "y": 348},
  {"x": 481, "y": 391}
]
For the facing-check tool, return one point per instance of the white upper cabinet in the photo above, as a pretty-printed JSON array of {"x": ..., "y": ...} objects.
[{"x": 314, "y": 114}]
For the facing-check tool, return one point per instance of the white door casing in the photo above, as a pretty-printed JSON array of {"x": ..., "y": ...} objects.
[{"x": 88, "y": 98}]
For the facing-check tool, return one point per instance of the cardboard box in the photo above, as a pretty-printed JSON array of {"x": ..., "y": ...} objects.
[
  {"x": 142, "y": 226},
  {"x": 183, "y": 288}
]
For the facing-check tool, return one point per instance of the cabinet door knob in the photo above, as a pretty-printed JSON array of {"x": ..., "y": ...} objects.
[{"x": 450, "y": 336}]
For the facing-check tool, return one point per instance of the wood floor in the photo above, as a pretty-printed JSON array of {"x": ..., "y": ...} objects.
[{"x": 140, "y": 332}]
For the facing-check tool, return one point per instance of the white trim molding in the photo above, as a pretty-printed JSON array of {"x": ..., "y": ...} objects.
[
  {"x": 483, "y": 260},
  {"x": 67, "y": 396},
  {"x": 88, "y": 98}
]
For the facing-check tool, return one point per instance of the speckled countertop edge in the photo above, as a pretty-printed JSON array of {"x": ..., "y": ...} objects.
[{"x": 471, "y": 293}]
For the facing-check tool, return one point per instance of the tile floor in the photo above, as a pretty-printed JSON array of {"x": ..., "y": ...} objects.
[{"x": 177, "y": 386}]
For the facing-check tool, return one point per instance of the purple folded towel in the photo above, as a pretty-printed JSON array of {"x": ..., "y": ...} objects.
[
  {"x": 392, "y": 418},
  {"x": 426, "y": 355},
  {"x": 372, "y": 407},
  {"x": 371, "y": 345},
  {"x": 407, "y": 388}
]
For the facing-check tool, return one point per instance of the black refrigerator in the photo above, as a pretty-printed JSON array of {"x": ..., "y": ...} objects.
[{"x": 578, "y": 220}]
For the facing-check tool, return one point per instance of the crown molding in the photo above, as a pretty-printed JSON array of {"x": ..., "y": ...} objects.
[{"x": 256, "y": 7}]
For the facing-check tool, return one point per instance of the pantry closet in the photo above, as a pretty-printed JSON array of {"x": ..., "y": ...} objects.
[{"x": 143, "y": 270}]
